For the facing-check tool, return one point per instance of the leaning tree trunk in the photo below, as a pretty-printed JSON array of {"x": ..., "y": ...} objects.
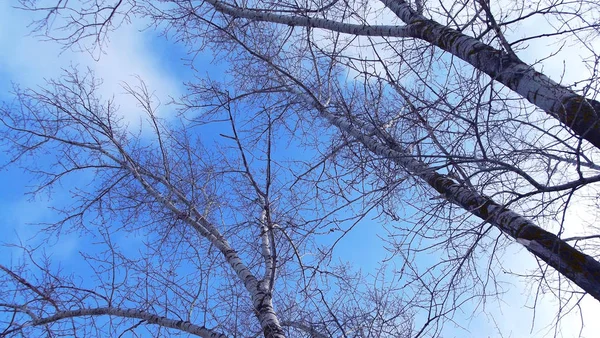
[
  {"x": 580, "y": 268},
  {"x": 575, "y": 111},
  {"x": 581, "y": 115},
  {"x": 260, "y": 291}
]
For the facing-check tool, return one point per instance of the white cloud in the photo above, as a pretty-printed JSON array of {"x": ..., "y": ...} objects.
[
  {"x": 26, "y": 60},
  {"x": 562, "y": 57}
]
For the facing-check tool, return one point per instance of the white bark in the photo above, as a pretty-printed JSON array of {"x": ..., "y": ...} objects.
[
  {"x": 263, "y": 304},
  {"x": 570, "y": 108},
  {"x": 305, "y": 21},
  {"x": 266, "y": 249},
  {"x": 259, "y": 291},
  {"x": 580, "y": 268},
  {"x": 130, "y": 313}
]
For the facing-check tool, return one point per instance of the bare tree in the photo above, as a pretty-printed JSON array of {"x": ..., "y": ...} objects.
[
  {"x": 220, "y": 232},
  {"x": 494, "y": 137},
  {"x": 570, "y": 108},
  {"x": 503, "y": 165},
  {"x": 500, "y": 64}
]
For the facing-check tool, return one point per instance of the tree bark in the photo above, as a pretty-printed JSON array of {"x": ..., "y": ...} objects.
[
  {"x": 578, "y": 113},
  {"x": 575, "y": 111},
  {"x": 580, "y": 268},
  {"x": 263, "y": 304},
  {"x": 132, "y": 313},
  {"x": 261, "y": 296}
]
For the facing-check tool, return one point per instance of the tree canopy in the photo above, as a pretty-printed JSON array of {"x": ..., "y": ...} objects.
[{"x": 438, "y": 121}]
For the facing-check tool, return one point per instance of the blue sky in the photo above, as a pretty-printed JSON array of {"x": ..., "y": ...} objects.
[{"x": 27, "y": 61}]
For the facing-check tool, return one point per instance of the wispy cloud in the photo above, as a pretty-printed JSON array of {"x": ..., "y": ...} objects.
[{"x": 26, "y": 60}]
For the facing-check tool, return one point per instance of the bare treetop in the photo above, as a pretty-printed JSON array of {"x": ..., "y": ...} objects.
[{"x": 438, "y": 120}]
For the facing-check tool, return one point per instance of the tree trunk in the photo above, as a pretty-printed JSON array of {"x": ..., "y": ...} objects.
[
  {"x": 580, "y": 268},
  {"x": 570, "y": 108},
  {"x": 265, "y": 313},
  {"x": 261, "y": 296},
  {"x": 581, "y": 115}
]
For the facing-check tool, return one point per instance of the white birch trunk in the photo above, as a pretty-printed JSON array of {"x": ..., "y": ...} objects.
[
  {"x": 580, "y": 268},
  {"x": 570, "y": 108},
  {"x": 581, "y": 115},
  {"x": 260, "y": 291},
  {"x": 263, "y": 304},
  {"x": 131, "y": 313},
  {"x": 260, "y": 294}
]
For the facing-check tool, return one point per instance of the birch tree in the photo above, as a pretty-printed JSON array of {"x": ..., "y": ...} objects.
[
  {"x": 501, "y": 66},
  {"x": 497, "y": 167},
  {"x": 489, "y": 51},
  {"x": 213, "y": 234},
  {"x": 428, "y": 104}
]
